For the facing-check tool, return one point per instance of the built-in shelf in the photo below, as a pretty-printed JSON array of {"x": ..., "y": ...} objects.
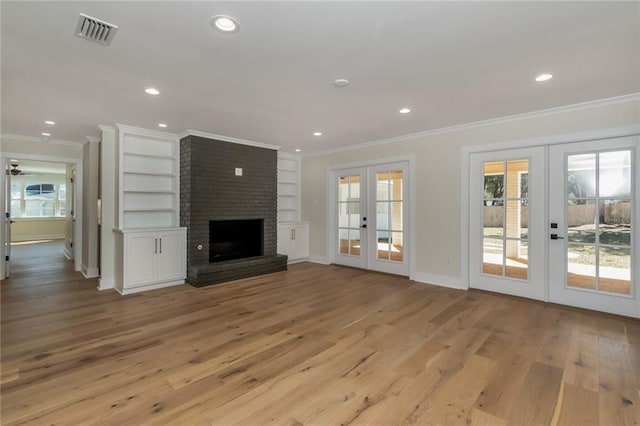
[
  {"x": 138, "y": 154},
  {"x": 135, "y": 172},
  {"x": 288, "y": 188}
]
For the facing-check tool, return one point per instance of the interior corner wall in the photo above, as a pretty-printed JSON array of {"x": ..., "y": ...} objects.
[
  {"x": 90, "y": 163},
  {"x": 109, "y": 196},
  {"x": 438, "y": 174}
]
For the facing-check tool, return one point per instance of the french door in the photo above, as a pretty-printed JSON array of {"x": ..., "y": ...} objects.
[
  {"x": 372, "y": 217},
  {"x": 593, "y": 249},
  {"x": 558, "y": 223},
  {"x": 507, "y": 222}
]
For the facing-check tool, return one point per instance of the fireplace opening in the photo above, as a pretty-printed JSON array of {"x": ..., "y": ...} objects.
[{"x": 235, "y": 239}]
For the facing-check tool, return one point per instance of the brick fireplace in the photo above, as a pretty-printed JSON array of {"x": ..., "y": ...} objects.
[{"x": 223, "y": 181}]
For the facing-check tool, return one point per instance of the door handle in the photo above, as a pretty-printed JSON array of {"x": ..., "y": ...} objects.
[
  {"x": 155, "y": 246},
  {"x": 363, "y": 226},
  {"x": 556, "y": 237},
  {"x": 160, "y": 245}
]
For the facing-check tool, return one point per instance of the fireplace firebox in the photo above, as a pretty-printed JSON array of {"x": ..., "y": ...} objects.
[{"x": 235, "y": 239}]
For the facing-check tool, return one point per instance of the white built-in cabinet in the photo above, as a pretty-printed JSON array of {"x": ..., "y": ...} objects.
[
  {"x": 293, "y": 235},
  {"x": 293, "y": 240},
  {"x": 150, "y": 245}
]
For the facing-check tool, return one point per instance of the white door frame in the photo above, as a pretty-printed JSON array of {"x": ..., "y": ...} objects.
[
  {"x": 592, "y": 135},
  {"x": 332, "y": 205},
  {"x": 77, "y": 229}
]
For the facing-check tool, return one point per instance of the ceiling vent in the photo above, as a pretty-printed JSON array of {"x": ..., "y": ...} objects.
[{"x": 95, "y": 30}]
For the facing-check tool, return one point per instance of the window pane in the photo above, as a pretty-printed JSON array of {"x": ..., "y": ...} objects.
[
  {"x": 517, "y": 260},
  {"x": 15, "y": 208},
  {"x": 343, "y": 188},
  {"x": 16, "y": 190},
  {"x": 382, "y": 215},
  {"x": 343, "y": 241},
  {"x": 354, "y": 215},
  {"x": 383, "y": 245},
  {"x": 581, "y": 221},
  {"x": 62, "y": 192},
  {"x": 396, "y": 215},
  {"x": 397, "y": 246},
  {"x": 615, "y": 270},
  {"x": 514, "y": 220},
  {"x": 581, "y": 266},
  {"x": 615, "y": 174},
  {"x": 492, "y": 259},
  {"x": 354, "y": 242},
  {"x": 581, "y": 176},
  {"x": 343, "y": 215},
  {"x": 615, "y": 222},
  {"x": 493, "y": 221},
  {"x": 382, "y": 186},
  {"x": 396, "y": 185},
  {"x": 62, "y": 208},
  {"x": 493, "y": 180}
]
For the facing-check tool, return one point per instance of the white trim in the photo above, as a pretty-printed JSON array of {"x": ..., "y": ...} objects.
[
  {"x": 77, "y": 230},
  {"x": 41, "y": 140},
  {"x": 149, "y": 287},
  {"x": 493, "y": 121},
  {"x": 227, "y": 139},
  {"x": 439, "y": 280},
  {"x": 606, "y": 133},
  {"x": 89, "y": 272},
  {"x": 92, "y": 139},
  {"x": 322, "y": 260},
  {"x": 140, "y": 131},
  {"x": 104, "y": 284},
  {"x": 39, "y": 237}
]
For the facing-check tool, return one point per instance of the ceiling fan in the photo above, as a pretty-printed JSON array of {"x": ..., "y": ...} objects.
[{"x": 15, "y": 171}]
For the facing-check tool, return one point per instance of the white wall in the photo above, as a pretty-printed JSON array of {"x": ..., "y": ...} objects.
[
  {"x": 90, "y": 218},
  {"x": 438, "y": 178}
]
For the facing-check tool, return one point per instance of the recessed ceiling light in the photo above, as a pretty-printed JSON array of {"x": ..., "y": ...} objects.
[
  {"x": 225, "y": 24},
  {"x": 45, "y": 134},
  {"x": 543, "y": 77},
  {"x": 341, "y": 82},
  {"x": 298, "y": 150},
  {"x": 404, "y": 111},
  {"x": 152, "y": 91},
  {"x": 49, "y": 122},
  {"x": 162, "y": 125},
  {"x": 317, "y": 133}
]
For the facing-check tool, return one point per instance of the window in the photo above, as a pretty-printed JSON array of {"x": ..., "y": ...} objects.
[{"x": 38, "y": 199}]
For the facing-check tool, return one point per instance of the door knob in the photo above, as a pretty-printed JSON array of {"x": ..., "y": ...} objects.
[
  {"x": 556, "y": 237},
  {"x": 363, "y": 226}
]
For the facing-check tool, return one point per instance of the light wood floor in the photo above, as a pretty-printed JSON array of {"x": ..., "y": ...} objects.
[{"x": 314, "y": 345}]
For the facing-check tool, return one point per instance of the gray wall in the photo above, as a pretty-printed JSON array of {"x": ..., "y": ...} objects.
[{"x": 210, "y": 190}]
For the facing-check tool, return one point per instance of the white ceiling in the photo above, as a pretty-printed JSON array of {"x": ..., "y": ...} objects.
[{"x": 272, "y": 82}]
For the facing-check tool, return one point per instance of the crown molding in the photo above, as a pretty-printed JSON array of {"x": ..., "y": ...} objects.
[
  {"x": 227, "y": 139},
  {"x": 493, "y": 121},
  {"x": 147, "y": 132},
  {"x": 41, "y": 140}
]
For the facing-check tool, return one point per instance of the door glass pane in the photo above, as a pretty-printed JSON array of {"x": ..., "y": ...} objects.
[
  {"x": 395, "y": 183},
  {"x": 383, "y": 244},
  {"x": 615, "y": 174},
  {"x": 396, "y": 215},
  {"x": 615, "y": 270},
  {"x": 581, "y": 221},
  {"x": 493, "y": 221},
  {"x": 599, "y": 221},
  {"x": 382, "y": 186},
  {"x": 517, "y": 260},
  {"x": 615, "y": 222},
  {"x": 349, "y": 215},
  {"x": 493, "y": 181},
  {"x": 382, "y": 215},
  {"x": 354, "y": 242},
  {"x": 581, "y": 266},
  {"x": 581, "y": 176},
  {"x": 397, "y": 246},
  {"x": 492, "y": 256},
  {"x": 514, "y": 219}
]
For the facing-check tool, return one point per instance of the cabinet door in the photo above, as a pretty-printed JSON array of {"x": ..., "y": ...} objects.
[
  {"x": 171, "y": 262},
  {"x": 300, "y": 243},
  {"x": 284, "y": 239},
  {"x": 139, "y": 262}
]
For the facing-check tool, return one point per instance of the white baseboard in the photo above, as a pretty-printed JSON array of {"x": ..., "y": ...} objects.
[
  {"x": 89, "y": 272},
  {"x": 149, "y": 287},
  {"x": 68, "y": 253},
  {"x": 105, "y": 284},
  {"x": 439, "y": 280},
  {"x": 37, "y": 237},
  {"x": 319, "y": 259}
]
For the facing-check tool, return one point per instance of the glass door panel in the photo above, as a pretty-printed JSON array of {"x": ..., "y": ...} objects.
[
  {"x": 350, "y": 206},
  {"x": 592, "y": 250}
]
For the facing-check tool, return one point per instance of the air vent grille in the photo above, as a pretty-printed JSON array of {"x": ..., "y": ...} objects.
[{"x": 95, "y": 30}]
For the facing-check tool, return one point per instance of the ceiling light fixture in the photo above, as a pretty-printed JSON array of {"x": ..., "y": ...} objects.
[
  {"x": 341, "y": 82},
  {"x": 298, "y": 150},
  {"x": 404, "y": 111},
  {"x": 543, "y": 77},
  {"x": 317, "y": 133},
  {"x": 49, "y": 122},
  {"x": 162, "y": 125},
  {"x": 45, "y": 134},
  {"x": 225, "y": 24},
  {"x": 152, "y": 91}
]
